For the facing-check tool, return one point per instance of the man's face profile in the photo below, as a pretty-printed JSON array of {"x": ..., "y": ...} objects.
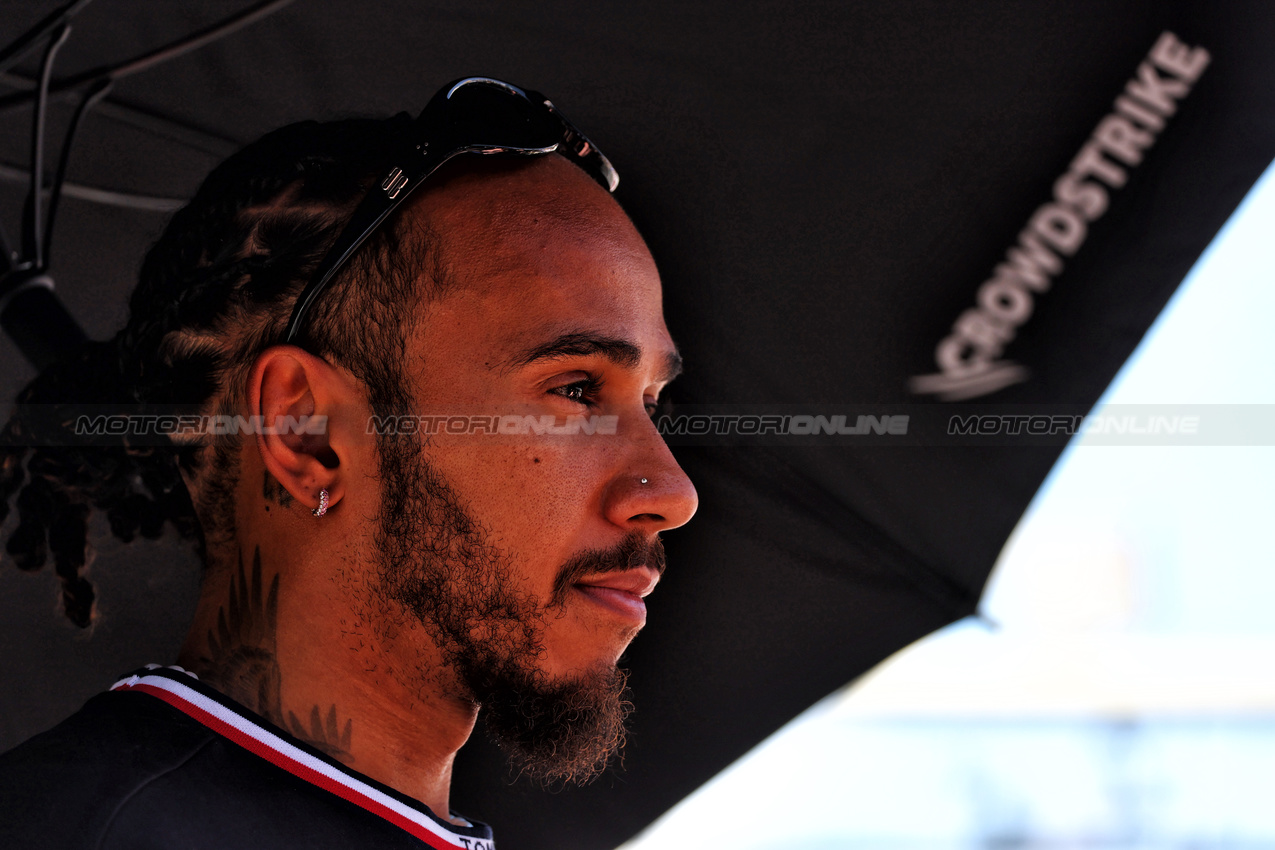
[{"x": 522, "y": 560}]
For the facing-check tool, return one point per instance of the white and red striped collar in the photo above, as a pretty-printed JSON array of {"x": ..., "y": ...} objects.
[{"x": 232, "y": 721}]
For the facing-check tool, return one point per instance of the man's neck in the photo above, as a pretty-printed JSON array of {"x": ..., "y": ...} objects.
[{"x": 286, "y": 644}]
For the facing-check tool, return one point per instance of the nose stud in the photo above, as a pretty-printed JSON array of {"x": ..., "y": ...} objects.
[{"x": 644, "y": 481}]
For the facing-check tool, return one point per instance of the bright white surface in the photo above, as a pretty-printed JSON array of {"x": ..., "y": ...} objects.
[{"x": 1126, "y": 696}]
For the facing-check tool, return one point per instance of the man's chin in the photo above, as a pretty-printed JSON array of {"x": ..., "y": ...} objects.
[{"x": 559, "y": 731}]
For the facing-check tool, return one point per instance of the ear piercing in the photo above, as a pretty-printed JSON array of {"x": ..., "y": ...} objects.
[{"x": 323, "y": 503}]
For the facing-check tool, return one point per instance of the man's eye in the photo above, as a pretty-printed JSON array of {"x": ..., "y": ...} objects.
[{"x": 583, "y": 391}]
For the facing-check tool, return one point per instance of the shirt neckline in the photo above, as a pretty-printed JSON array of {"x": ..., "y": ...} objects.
[{"x": 227, "y": 718}]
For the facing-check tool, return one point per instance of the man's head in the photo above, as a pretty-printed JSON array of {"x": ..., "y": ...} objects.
[
  {"x": 522, "y": 557},
  {"x": 504, "y": 569}
]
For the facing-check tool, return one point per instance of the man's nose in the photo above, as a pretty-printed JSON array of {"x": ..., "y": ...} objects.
[{"x": 650, "y": 491}]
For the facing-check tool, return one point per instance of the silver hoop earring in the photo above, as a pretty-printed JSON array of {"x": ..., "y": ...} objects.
[{"x": 323, "y": 504}]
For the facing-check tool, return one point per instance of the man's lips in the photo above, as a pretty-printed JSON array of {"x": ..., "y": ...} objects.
[{"x": 621, "y": 592}]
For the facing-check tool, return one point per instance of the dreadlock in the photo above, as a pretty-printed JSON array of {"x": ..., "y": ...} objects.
[{"x": 214, "y": 291}]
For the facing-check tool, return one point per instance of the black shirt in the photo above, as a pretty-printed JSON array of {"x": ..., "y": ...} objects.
[{"x": 162, "y": 760}]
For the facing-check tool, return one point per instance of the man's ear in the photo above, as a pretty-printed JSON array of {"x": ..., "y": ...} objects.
[{"x": 293, "y": 392}]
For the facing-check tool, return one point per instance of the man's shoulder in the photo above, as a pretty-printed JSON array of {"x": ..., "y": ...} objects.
[
  {"x": 65, "y": 784},
  {"x": 134, "y": 770}
]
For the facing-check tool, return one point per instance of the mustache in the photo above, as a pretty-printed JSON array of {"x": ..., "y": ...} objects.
[{"x": 635, "y": 550}]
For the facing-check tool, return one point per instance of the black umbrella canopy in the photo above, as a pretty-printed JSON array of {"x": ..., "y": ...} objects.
[{"x": 829, "y": 190}]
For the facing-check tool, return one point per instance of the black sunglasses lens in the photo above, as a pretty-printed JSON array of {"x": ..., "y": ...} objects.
[{"x": 489, "y": 114}]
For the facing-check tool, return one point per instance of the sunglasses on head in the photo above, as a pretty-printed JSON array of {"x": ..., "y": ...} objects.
[{"x": 472, "y": 115}]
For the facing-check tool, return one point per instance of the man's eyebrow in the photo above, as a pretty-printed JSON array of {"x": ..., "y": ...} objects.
[{"x": 621, "y": 352}]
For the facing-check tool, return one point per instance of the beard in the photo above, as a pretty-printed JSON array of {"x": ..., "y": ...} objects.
[{"x": 437, "y": 563}]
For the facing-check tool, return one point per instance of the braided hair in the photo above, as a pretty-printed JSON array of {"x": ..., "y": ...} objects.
[{"x": 214, "y": 291}]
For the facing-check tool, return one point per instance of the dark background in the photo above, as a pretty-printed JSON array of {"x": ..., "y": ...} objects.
[{"x": 824, "y": 186}]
